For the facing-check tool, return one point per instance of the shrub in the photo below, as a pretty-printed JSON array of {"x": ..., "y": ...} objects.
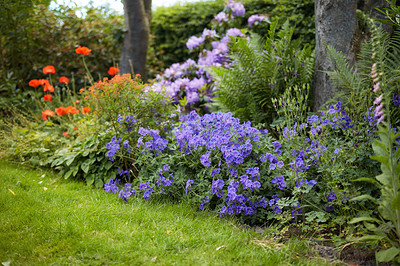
[{"x": 172, "y": 26}]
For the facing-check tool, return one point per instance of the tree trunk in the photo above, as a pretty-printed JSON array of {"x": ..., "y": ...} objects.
[
  {"x": 336, "y": 25},
  {"x": 136, "y": 39}
]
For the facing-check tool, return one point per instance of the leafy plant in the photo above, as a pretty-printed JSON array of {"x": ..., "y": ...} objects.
[{"x": 260, "y": 72}]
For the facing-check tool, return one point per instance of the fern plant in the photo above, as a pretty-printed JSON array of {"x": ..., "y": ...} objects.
[{"x": 261, "y": 70}]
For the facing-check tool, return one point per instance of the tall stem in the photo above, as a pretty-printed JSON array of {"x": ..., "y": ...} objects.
[{"x": 91, "y": 80}]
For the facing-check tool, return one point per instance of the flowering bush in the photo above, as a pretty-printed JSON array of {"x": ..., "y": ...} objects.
[{"x": 189, "y": 83}]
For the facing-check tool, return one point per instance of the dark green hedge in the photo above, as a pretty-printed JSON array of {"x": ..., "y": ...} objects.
[{"x": 171, "y": 27}]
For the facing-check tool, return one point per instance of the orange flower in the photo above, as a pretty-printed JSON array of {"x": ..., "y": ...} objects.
[
  {"x": 112, "y": 71},
  {"x": 49, "y": 70},
  {"x": 34, "y": 83},
  {"x": 77, "y": 101},
  {"x": 65, "y": 134},
  {"x": 72, "y": 110},
  {"x": 86, "y": 97},
  {"x": 46, "y": 114},
  {"x": 47, "y": 98},
  {"x": 43, "y": 82},
  {"x": 61, "y": 111},
  {"x": 63, "y": 80},
  {"x": 83, "y": 50},
  {"x": 48, "y": 87},
  {"x": 82, "y": 90},
  {"x": 86, "y": 109}
]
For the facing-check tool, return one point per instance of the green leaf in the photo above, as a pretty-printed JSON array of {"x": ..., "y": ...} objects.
[
  {"x": 99, "y": 183},
  {"x": 364, "y": 197},
  {"x": 370, "y": 238},
  {"x": 363, "y": 219},
  {"x": 381, "y": 159},
  {"x": 108, "y": 165},
  {"x": 396, "y": 202},
  {"x": 385, "y": 179},
  {"x": 387, "y": 255},
  {"x": 68, "y": 174},
  {"x": 90, "y": 179},
  {"x": 70, "y": 161},
  {"x": 365, "y": 179}
]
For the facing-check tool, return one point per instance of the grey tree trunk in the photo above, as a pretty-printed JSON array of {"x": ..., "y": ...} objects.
[
  {"x": 336, "y": 25},
  {"x": 136, "y": 39}
]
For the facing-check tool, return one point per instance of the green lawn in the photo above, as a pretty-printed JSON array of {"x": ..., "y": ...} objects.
[{"x": 48, "y": 220}]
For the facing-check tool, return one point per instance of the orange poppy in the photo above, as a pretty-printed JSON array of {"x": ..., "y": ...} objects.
[
  {"x": 112, "y": 71},
  {"x": 86, "y": 109},
  {"x": 65, "y": 134},
  {"x": 47, "y": 98},
  {"x": 46, "y": 114},
  {"x": 83, "y": 50},
  {"x": 49, "y": 70},
  {"x": 72, "y": 110},
  {"x": 77, "y": 101},
  {"x": 48, "y": 87},
  {"x": 82, "y": 90},
  {"x": 61, "y": 111},
  {"x": 63, "y": 80},
  {"x": 43, "y": 82},
  {"x": 34, "y": 83}
]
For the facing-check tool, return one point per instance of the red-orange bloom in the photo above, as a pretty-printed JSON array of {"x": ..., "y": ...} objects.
[
  {"x": 81, "y": 90},
  {"x": 63, "y": 80},
  {"x": 72, "y": 110},
  {"x": 83, "y": 50},
  {"x": 34, "y": 83},
  {"x": 61, "y": 111},
  {"x": 48, "y": 87},
  {"x": 77, "y": 101},
  {"x": 47, "y": 98},
  {"x": 43, "y": 82},
  {"x": 49, "y": 70},
  {"x": 65, "y": 134},
  {"x": 46, "y": 114},
  {"x": 112, "y": 71},
  {"x": 86, "y": 109}
]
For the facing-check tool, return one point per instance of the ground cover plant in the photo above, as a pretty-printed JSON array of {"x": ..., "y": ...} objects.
[
  {"x": 49, "y": 220},
  {"x": 331, "y": 175}
]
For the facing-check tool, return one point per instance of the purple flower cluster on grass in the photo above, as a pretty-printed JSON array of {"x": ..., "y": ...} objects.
[{"x": 113, "y": 146}]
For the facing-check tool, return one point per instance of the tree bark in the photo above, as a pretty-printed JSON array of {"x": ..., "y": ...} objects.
[
  {"x": 336, "y": 25},
  {"x": 136, "y": 39}
]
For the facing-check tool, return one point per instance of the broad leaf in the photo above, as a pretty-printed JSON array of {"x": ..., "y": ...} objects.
[{"x": 387, "y": 255}]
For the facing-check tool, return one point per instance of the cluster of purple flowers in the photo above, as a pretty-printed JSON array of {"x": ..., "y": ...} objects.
[
  {"x": 124, "y": 193},
  {"x": 165, "y": 182},
  {"x": 330, "y": 198},
  {"x": 189, "y": 79},
  {"x": 147, "y": 188},
  {"x": 157, "y": 144},
  {"x": 113, "y": 146},
  {"x": 129, "y": 121}
]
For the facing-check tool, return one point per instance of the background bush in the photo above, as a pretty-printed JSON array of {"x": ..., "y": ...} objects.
[{"x": 171, "y": 27}]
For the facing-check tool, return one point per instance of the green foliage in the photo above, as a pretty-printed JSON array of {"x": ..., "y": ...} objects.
[
  {"x": 260, "y": 72},
  {"x": 172, "y": 26},
  {"x": 386, "y": 229}
]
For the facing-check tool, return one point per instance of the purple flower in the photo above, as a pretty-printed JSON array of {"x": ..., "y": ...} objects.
[
  {"x": 237, "y": 8},
  {"x": 280, "y": 181},
  {"x": 188, "y": 185},
  {"x": 221, "y": 17},
  {"x": 194, "y": 42},
  {"x": 254, "y": 18},
  {"x": 280, "y": 164},
  {"x": 234, "y": 32},
  {"x": 166, "y": 168}
]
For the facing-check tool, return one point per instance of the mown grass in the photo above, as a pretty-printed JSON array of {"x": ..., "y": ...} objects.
[{"x": 48, "y": 220}]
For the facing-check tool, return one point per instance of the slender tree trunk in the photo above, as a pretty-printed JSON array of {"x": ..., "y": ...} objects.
[{"x": 136, "y": 39}]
